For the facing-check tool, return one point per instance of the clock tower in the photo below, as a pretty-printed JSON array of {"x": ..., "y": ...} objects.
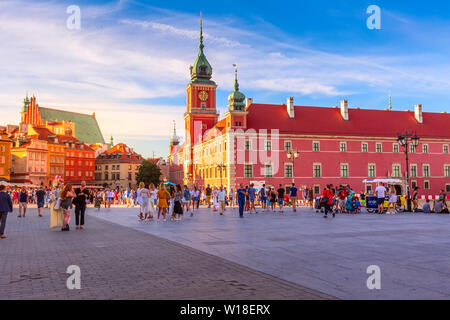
[{"x": 201, "y": 113}]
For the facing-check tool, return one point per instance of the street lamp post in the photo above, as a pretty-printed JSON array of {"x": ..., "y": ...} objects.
[
  {"x": 405, "y": 140},
  {"x": 221, "y": 167},
  {"x": 293, "y": 154}
]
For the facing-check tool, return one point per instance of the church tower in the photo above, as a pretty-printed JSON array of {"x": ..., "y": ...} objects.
[
  {"x": 30, "y": 112},
  {"x": 236, "y": 116},
  {"x": 201, "y": 113}
]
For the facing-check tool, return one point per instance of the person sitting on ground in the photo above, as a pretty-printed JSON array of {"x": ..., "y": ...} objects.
[
  {"x": 438, "y": 206},
  {"x": 426, "y": 206}
]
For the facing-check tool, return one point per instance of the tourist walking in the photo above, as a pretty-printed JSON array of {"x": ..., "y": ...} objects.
[
  {"x": 392, "y": 200},
  {"x": 66, "y": 204},
  {"x": 241, "y": 194},
  {"x": 6, "y": 206},
  {"x": 40, "y": 197},
  {"x": 177, "y": 206},
  {"x": 293, "y": 197},
  {"x": 231, "y": 198},
  {"x": 98, "y": 199},
  {"x": 252, "y": 197},
  {"x": 214, "y": 198},
  {"x": 380, "y": 192},
  {"x": 23, "y": 202},
  {"x": 273, "y": 198},
  {"x": 196, "y": 199},
  {"x": 139, "y": 200},
  {"x": 81, "y": 198},
  {"x": 327, "y": 200},
  {"x": 162, "y": 196},
  {"x": 221, "y": 197},
  {"x": 187, "y": 199},
  {"x": 208, "y": 193},
  {"x": 263, "y": 197},
  {"x": 144, "y": 201},
  {"x": 280, "y": 192}
]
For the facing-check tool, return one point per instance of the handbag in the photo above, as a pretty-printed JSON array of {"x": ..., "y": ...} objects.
[{"x": 57, "y": 205}]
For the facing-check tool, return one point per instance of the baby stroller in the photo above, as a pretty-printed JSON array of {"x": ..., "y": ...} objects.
[{"x": 318, "y": 205}]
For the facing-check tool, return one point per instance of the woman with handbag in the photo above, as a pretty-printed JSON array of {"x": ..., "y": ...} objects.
[{"x": 66, "y": 204}]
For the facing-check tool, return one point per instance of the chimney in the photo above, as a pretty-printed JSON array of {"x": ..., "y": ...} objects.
[
  {"x": 418, "y": 113},
  {"x": 248, "y": 102},
  {"x": 344, "y": 109},
  {"x": 290, "y": 107}
]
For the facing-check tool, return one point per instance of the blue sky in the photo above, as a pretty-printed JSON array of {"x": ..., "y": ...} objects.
[{"x": 130, "y": 60}]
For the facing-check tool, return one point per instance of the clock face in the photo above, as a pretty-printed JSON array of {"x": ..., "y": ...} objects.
[{"x": 203, "y": 95}]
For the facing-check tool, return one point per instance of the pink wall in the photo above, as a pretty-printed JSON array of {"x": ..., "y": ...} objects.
[{"x": 330, "y": 157}]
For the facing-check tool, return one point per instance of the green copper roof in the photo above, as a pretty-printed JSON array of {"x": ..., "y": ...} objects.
[
  {"x": 26, "y": 103},
  {"x": 236, "y": 98},
  {"x": 201, "y": 71},
  {"x": 86, "y": 126}
]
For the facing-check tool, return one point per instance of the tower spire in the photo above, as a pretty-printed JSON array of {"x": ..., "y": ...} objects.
[
  {"x": 201, "y": 46},
  {"x": 236, "y": 83},
  {"x": 236, "y": 98},
  {"x": 390, "y": 101},
  {"x": 174, "y": 139}
]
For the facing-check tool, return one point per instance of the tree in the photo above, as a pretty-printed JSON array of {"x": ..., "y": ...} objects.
[{"x": 148, "y": 173}]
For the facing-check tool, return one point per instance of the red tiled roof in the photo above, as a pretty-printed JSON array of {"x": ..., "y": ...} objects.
[
  {"x": 44, "y": 133},
  {"x": 218, "y": 129},
  {"x": 362, "y": 122},
  {"x": 125, "y": 152}
]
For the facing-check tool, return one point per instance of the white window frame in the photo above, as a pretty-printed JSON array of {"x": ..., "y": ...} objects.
[
  {"x": 411, "y": 166},
  {"x": 399, "y": 170},
  {"x": 318, "y": 143},
  {"x": 375, "y": 170},
  {"x": 289, "y": 164},
  {"x": 320, "y": 169},
  {"x": 287, "y": 141},
  {"x": 341, "y": 169},
  {"x": 381, "y": 147},
  {"x": 426, "y": 165},
  {"x": 367, "y": 147},
  {"x": 245, "y": 171}
]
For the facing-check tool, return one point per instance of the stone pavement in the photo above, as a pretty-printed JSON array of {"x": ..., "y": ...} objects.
[
  {"x": 328, "y": 255},
  {"x": 121, "y": 263}
]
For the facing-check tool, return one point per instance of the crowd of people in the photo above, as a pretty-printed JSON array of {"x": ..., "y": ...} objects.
[{"x": 173, "y": 201}]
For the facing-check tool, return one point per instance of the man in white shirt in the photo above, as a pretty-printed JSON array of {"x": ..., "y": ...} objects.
[
  {"x": 380, "y": 191},
  {"x": 221, "y": 195}
]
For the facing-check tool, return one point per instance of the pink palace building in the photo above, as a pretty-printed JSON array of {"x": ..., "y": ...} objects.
[{"x": 313, "y": 146}]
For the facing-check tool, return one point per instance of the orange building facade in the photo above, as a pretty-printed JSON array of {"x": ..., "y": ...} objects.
[{"x": 5, "y": 156}]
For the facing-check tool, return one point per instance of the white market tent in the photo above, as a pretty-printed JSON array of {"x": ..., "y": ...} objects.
[
  {"x": 388, "y": 181},
  {"x": 20, "y": 185}
]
